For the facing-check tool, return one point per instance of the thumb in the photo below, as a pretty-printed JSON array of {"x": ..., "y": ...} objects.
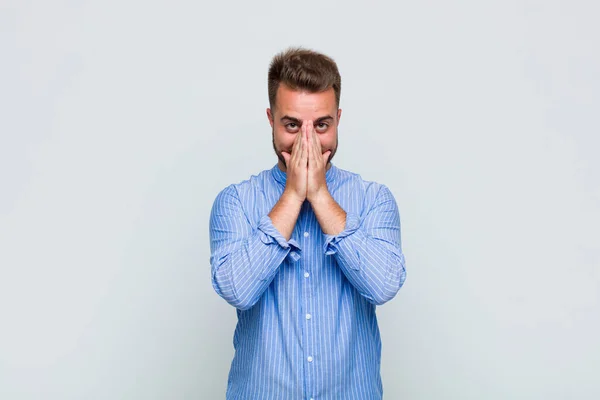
[
  {"x": 286, "y": 157},
  {"x": 326, "y": 156}
]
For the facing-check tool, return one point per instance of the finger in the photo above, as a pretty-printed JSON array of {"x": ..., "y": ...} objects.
[
  {"x": 296, "y": 147},
  {"x": 317, "y": 147},
  {"x": 309, "y": 142},
  {"x": 318, "y": 142},
  {"x": 312, "y": 132},
  {"x": 305, "y": 148},
  {"x": 311, "y": 139}
]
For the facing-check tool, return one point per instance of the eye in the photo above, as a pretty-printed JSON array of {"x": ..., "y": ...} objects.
[
  {"x": 291, "y": 126},
  {"x": 322, "y": 126}
]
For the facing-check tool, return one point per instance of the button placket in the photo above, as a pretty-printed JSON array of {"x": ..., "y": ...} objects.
[{"x": 307, "y": 291}]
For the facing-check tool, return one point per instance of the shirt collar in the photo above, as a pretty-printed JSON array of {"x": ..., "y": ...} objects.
[{"x": 281, "y": 176}]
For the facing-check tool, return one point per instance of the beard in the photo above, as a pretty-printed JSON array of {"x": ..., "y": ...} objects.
[{"x": 280, "y": 156}]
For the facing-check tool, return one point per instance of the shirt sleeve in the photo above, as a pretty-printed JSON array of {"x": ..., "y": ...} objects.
[
  {"x": 244, "y": 258},
  {"x": 369, "y": 249}
]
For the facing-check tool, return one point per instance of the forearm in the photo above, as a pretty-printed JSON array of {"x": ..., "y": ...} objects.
[
  {"x": 368, "y": 248},
  {"x": 244, "y": 257},
  {"x": 375, "y": 267},
  {"x": 244, "y": 274},
  {"x": 285, "y": 214},
  {"x": 331, "y": 217}
]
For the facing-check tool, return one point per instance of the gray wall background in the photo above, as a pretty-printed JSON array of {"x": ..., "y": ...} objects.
[{"x": 121, "y": 120}]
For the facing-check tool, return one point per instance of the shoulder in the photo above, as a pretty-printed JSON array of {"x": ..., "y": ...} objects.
[
  {"x": 239, "y": 190},
  {"x": 355, "y": 183}
]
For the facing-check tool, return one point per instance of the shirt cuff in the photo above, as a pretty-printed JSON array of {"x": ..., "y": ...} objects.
[
  {"x": 269, "y": 234},
  {"x": 352, "y": 224}
]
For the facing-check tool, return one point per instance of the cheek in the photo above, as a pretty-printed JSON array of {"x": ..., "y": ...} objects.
[
  {"x": 285, "y": 142},
  {"x": 327, "y": 141},
  {"x": 283, "y": 139},
  {"x": 288, "y": 139}
]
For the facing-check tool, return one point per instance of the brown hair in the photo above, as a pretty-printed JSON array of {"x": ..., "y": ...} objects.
[{"x": 303, "y": 69}]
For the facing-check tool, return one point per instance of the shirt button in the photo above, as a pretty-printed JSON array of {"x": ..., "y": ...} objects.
[
  {"x": 305, "y": 234},
  {"x": 306, "y": 274},
  {"x": 309, "y": 359},
  {"x": 307, "y": 316}
]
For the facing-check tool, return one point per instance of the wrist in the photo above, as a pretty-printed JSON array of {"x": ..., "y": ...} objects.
[
  {"x": 319, "y": 197},
  {"x": 292, "y": 198}
]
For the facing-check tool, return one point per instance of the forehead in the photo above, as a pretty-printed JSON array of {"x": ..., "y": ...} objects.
[{"x": 304, "y": 105}]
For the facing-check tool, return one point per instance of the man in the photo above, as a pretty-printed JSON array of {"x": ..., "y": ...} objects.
[{"x": 305, "y": 251}]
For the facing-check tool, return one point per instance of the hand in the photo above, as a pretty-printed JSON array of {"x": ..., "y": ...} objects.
[
  {"x": 317, "y": 164},
  {"x": 297, "y": 167}
]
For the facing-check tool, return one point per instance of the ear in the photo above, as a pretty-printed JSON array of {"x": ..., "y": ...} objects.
[
  {"x": 270, "y": 116},
  {"x": 339, "y": 115}
]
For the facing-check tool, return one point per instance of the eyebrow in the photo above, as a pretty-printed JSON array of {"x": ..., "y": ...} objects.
[{"x": 297, "y": 121}]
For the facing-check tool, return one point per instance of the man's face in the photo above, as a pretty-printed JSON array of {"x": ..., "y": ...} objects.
[{"x": 293, "y": 108}]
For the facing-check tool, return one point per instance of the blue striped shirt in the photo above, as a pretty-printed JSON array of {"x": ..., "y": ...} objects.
[{"x": 307, "y": 327}]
